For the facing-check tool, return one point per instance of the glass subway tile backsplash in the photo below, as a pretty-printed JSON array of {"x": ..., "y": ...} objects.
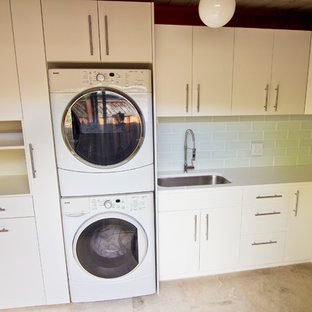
[{"x": 226, "y": 142}]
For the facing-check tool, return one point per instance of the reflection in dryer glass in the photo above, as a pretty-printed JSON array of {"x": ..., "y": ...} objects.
[
  {"x": 103, "y": 128},
  {"x": 108, "y": 248}
]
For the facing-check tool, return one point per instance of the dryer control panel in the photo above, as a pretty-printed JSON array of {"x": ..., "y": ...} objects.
[{"x": 74, "y": 79}]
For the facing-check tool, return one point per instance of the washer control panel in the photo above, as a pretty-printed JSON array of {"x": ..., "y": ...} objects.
[{"x": 80, "y": 206}]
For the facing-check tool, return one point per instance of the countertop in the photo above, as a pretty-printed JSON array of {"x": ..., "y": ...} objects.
[{"x": 247, "y": 176}]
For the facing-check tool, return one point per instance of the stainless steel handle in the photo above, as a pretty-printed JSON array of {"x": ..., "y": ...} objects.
[
  {"x": 264, "y": 243},
  {"x": 269, "y": 196},
  {"x": 276, "y": 97},
  {"x": 2, "y": 209},
  {"x": 4, "y": 230},
  {"x": 207, "y": 226},
  {"x": 267, "y": 214},
  {"x": 195, "y": 233},
  {"x": 90, "y": 34},
  {"x": 106, "y": 34},
  {"x": 31, "y": 149},
  {"x": 266, "y": 89},
  {"x": 187, "y": 97},
  {"x": 297, "y": 201},
  {"x": 198, "y": 98}
]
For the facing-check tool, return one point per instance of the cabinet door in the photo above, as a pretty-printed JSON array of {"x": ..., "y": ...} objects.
[
  {"x": 212, "y": 70},
  {"x": 20, "y": 268},
  {"x": 289, "y": 71},
  {"x": 10, "y": 106},
  {"x": 299, "y": 231},
  {"x": 173, "y": 66},
  {"x": 125, "y": 31},
  {"x": 71, "y": 30},
  {"x": 308, "y": 105},
  {"x": 178, "y": 243},
  {"x": 220, "y": 237},
  {"x": 252, "y": 71}
]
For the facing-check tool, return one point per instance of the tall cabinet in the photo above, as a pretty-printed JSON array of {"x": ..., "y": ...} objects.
[
  {"x": 20, "y": 267},
  {"x": 32, "y": 262}
]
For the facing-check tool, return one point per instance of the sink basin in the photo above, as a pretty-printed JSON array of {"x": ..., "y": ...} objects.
[{"x": 192, "y": 180}]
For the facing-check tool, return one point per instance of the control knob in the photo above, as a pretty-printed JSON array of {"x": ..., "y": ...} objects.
[
  {"x": 100, "y": 77},
  {"x": 108, "y": 204}
]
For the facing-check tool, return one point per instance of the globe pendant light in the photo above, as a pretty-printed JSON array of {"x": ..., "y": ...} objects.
[{"x": 216, "y": 13}]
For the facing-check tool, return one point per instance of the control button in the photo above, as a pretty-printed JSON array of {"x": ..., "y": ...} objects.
[
  {"x": 108, "y": 204},
  {"x": 100, "y": 77}
]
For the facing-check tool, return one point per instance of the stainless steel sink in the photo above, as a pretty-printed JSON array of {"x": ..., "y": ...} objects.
[{"x": 192, "y": 180}]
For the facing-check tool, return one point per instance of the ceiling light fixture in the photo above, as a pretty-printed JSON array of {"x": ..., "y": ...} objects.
[{"x": 216, "y": 13}]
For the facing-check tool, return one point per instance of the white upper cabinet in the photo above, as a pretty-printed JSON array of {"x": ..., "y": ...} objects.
[
  {"x": 270, "y": 71},
  {"x": 173, "y": 66},
  {"x": 10, "y": 106},
  {"x": 290, "y": 71},
  {"x": 91, "y": 31},
  {"x": 193, "y": 70},
  {"x": 212, "y": 70},
  {"x": 125, "y": 31},
  {"x": 71, "y": 30}
]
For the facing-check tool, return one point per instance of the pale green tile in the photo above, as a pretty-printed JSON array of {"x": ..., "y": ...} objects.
[
  {"x": 285, "y": 160},
  {"x": 217, "y": 136},
  {"x": 264, "y": 125},
  {"x": 306, "y": 124},
  {"x": 299, "y": 134},
  {"x": 287, "y": 143},
  {"x": 251, "y": 118},
  {"x": 239, "y": 126},
  {"x": 277, "y": 117},
  {"x": 223, "y": 154},
  {"x": 275, "y": 135},
  {"x": 237, "y": 163},
  {"x": 261, "y": 161},
  {"x": 237, "y": 145},
  {"x": 257, "y": 135},
  {"x": 211, "y": 146},
  {"x": 225, "y": 118},
  {"x": 305, "y": 142},
  {"x": 244, "y": 153},
  {"x": 288, "y": 125},
  {"x": 269, "y": 144},
  {"x": 212, "y": 126}
]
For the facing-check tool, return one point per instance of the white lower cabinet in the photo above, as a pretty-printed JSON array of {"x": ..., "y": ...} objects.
[
  {"x": 199, "y": 232},
  {"x": 20, "y": 267},
  {"x": 298, "y": 245},
  {"x": 209, "y": 231}
]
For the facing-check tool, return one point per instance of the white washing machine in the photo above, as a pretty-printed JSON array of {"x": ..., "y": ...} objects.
[
  {"x": 110, "y": 246},
  {"x": 103, "y": 130}
]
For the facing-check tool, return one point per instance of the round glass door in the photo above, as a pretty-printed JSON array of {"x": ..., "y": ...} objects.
[
  {"x": 109, "y": 248},
  {"x": 103, "y": 127}
]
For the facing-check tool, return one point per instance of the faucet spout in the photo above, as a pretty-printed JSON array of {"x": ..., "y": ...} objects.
[{"x": 186, "y": 166}]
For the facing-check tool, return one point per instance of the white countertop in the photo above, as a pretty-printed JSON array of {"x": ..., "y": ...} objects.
[{"x": 247, "y": 176}]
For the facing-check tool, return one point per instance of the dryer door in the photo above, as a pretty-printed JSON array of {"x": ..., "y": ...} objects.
[
  {"x": 110, "y": 246},
  {"x": 103, "y": 127}
]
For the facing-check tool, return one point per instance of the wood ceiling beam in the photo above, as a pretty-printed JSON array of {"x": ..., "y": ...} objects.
[{"x": 253, "y": 18}]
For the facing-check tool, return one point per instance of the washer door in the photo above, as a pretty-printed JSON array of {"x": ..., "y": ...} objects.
[
  {"x": 103, "y": 127},
  {"x": 110, "y": 246}
]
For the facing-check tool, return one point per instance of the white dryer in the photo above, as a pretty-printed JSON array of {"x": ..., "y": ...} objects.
[
  {"x": 110, "y": 246},
  {"x": 103, "y": 130}
]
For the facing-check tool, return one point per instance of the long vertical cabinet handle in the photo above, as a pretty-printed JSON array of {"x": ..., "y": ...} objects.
[
  {"x": 187, "y": 97},
  {"x": 297, "y": 202},
  {"x": 195, "y": 233},
  {"x": 276, "y": 97},
  {"x": 31, "y": 149},
  {"x": 106, "y": 35},
  {"x": 90, "y": 35},
  {"x": 266, "y": 89},
  {"x": 207, "y": 226},
  {"x": 198, "y": 98}
]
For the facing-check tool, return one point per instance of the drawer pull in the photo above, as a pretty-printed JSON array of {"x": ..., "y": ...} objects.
[
  {"x": 2, "y": 209},
  {"x": 264, "y": 243},
  {"x": 4, "y": 230},
  {"x": 90, "y": 34},
  {"x": 268, "y": 196},
  {"x": 267, "y": 214},
  {"x": 207, "y": 226},
  {"x": 187, "y": 98},
  {"x": 195, "y": 232}
]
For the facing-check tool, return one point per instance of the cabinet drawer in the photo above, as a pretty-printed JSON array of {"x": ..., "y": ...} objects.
[
  {"x": 267, "y": 196},
  {"x": 260, "y": 249},
  {"x": 264, "y": 219},
  {"x": 13, "y": 207}
]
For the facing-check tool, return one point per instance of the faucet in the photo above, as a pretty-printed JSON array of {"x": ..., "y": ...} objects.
[{"x": 186, "y": 167}]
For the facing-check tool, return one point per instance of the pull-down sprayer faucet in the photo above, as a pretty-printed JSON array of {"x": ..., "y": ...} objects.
[{"x": 186, "y": 167}]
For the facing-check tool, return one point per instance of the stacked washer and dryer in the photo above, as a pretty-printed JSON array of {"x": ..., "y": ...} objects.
[{"x": 103, "y": 132}]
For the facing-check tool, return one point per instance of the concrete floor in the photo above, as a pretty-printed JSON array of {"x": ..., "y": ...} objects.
[{"x": 281, "y": 289}]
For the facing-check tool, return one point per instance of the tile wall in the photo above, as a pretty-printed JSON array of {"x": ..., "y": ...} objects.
[{"x": 225, "y": 142}]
